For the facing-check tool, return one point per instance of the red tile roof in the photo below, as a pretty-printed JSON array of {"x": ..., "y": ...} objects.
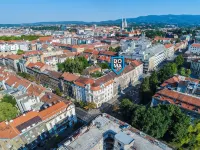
[
  {"x": 82, "y": 81},
  {"x": 186, "y": 101},
  {"x": 37, "y": 65},
  {"x": 196, "y": 45},
  {"x": 168, "y": 45},
  {"x": 14, "y": 57},
  {"x": 45, "y": 38},
  {"x": 108, "y": 53},
  {"x": 47, "y": 113},
  {"x": 69, "y": 76},
  {"x": 30, "y": 53},
  {"x": 9, "y": 130}
]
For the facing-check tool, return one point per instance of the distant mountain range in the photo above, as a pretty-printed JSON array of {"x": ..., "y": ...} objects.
[{"x": 152, "y": 19}]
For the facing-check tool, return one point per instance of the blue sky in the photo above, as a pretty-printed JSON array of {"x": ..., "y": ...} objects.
[{"x": 28, "y": 11}]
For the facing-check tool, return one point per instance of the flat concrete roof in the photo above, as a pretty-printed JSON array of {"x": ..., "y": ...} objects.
[
  {"x": 105, "y": 123},
  {"x": 124, "y": 138}
]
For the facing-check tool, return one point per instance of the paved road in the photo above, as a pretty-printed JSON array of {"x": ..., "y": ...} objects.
[{"x": 131, "y": 92}]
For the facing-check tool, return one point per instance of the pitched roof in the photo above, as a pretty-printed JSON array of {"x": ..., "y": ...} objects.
[
  {"x": 168, "y": 45},
  {"x": 14, "y": 57},
  {"x": 82, "y": 81},
  {"x": 108, "y": 53},
  {"x": 37, "y": 65},
  {"x": 54, "y": 74},
  {"x": 45, "y": 38},
  {"x": 69, "y": 76},
  {"x": 179, "y": 96},
  {"x": 51, "y": 98},
  {"x": 30, "y": 53},
  {"x": 36, "y": 89},
  {"x": 47, "y": 113},
  {"x": 13, "y": 128},
  {"x": 196, "y": 45}
]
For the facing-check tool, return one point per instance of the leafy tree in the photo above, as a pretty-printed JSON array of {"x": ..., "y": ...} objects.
[
  {"x": 96, "y": 74},
  {"x": 20, "y": 52},
  {"x": 58, "y": 92},
  {"x": 182, "y": 71},
  {"x": 179, "y": 60},
  {"x": 117, "y": 49},
  {"x": 27, "y": 76},
  {"x": 104, "y": 65},
  {"x": 187, "y": 72},
  {"x": 163, "y": 121},
  {"x": 76, "y": 65},
  {"x": 9, "y": 99},
  {"x": 153, "y": 81},
  {"x": 167, "y": 71},
  {"x": 111, "y": 49},
  {"x": 154, "y": 33},
  {"x": 23, "y": 37},
  {"x": 126, "y": 108},
  {"x": 90, "y": 105},
  {"x": 145, "y": 91},
  {"x": 179, "y": 122},
  {"x": 7, "y": 111},
  {"x": 192, "y": 140}
]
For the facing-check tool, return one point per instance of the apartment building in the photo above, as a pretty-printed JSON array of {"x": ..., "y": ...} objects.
[
  {"x": 107, "y": 132},
  {"x": 103, "y": 89},
  {"x": 142, "y": 49},
  {"x": 11, "y": 61},
  {"x": 34, "y": 127},
  {"x": 170, "y": 50},
  {"x": 91, "y": 90},
  {"x": 195, "y": 49},
  {"x": 14, "y": 46},
  {"x": 153, "y": 57},
  {"x": 181, "y": 91},
  {"x": 195, "y": 67}
]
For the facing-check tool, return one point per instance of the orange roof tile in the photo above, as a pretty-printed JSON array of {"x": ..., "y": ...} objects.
[
  {"x": 14, "y": 57},
  {"x": 69, "y": 76},
  {"x": 168, "y": 45},
  {"x": 196, "y": 45},
  {"x": 47, "y": 113}
]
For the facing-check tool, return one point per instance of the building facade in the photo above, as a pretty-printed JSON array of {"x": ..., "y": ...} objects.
[{"x": 34, "y": 127}]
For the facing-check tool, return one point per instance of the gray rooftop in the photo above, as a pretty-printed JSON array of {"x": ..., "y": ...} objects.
[
  {"x": 124, "y": 138},
  {"x": 104, "y": 123}
]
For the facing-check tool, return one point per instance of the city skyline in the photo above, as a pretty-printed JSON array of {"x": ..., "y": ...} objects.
[{"x": 24, "y": 11}]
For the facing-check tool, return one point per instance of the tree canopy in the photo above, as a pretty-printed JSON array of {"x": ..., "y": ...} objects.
[
  {"x": 20, "y": 52},
  {"x": 179, "y": 60},
  {"x": 7, "y": 111},
  {"x": 23, "y": 37},
  {"x": 76, "y": 65},
  {"x": 96, "y": 74},
  {"x": 9, "y": 99},
  {"x": 27, "y": 76},
  {"x": 164, "y": 121},
  {"x": 104, "y": 65},
  {"x": 58, "y": 92},
  {"x": 117, "y": 49},
  {"x": 154, "y": 33}
]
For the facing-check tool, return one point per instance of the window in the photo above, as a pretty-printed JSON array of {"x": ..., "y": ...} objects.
[{"x": 119, "y": 144}]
